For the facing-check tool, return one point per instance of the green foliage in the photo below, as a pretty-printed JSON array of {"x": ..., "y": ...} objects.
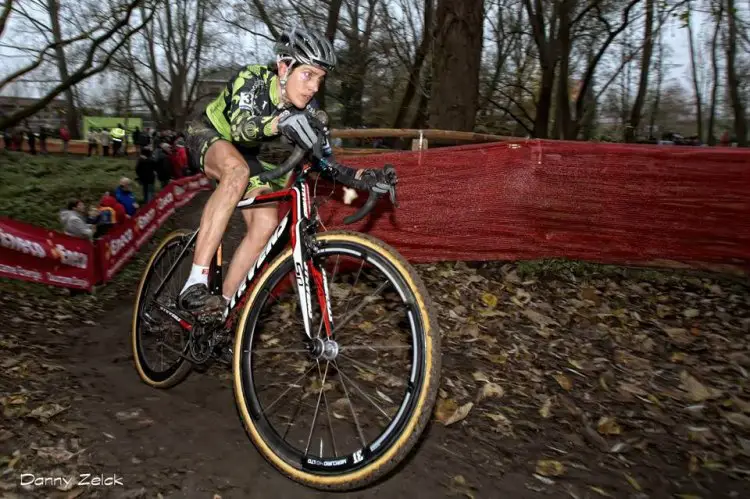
[{"x": 35, "y": 188}]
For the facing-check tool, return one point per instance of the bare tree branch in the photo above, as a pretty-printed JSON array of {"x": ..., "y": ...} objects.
[{"x": 4, "y": 15}]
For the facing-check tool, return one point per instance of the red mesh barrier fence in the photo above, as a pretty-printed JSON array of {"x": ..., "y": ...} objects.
[{"x": 609, "y": 203}]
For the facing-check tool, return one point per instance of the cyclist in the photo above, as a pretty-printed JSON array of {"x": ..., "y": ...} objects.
[{"x": 260, "y": 103}]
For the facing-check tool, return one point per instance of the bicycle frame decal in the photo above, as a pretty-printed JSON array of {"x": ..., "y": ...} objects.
[{"x": 299, "y": 215}]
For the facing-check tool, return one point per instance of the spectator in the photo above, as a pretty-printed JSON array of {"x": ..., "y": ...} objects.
[
  {"x": 178, "y": 159},
  {"x": 108, "y": 201},
  {"x": 18, "y": 138},
  {"x": 93, "y": 143},
  {"x": 161, "y": 160},
  {"x": 32, "y": 140},
  {"x": 137, "y": 138},
  {"x": 65, "y": 137},
  {"x": 145, "y": 171},
  {"x": 125, "y": 197},
  {"x": 104, "y": 139},
  {"x": 145, "y": 138},
  {"x": 74, "y": 221},
  {"x": 43, "y": 139},
  {"x": 8, "y": 139},
  {"x": 118, "y": 136}
]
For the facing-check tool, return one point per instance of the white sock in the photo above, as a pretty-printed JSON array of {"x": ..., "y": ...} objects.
[{"x": 198, "y": 275}]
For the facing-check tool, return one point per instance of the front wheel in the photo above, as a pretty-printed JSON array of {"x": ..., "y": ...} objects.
[{"x": 340, "y": 411}]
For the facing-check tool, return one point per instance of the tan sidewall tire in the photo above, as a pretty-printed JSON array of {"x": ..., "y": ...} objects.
[
  {"x": 425, "y": 400},
  {"x": 185, "y": 368}
]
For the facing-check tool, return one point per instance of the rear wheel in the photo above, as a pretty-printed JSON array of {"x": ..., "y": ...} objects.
[
  {"x": 338, "y": 412},
  {"x": 159, "y": 343}
]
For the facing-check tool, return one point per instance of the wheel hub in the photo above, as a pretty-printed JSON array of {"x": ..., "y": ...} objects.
[{"x": 324, "y": 348}]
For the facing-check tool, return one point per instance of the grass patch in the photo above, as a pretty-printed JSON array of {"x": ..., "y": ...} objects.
[{"x": 34, "y": 189}]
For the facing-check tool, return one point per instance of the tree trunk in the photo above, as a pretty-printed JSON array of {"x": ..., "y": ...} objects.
[
  {"x": 711, "y": 139},
  {"x": 71, "y": 115},
  {"x": 458, "y": 51},
  {"x": 659, "y": 80},
  {"x": 631, "y": 131},
  {"x": 331, "y": 26},
  {"x": 740, "y": 125},
  {"x": 562, "y": 108},
  {"x": 694, "y": 69},
  {"x": 416, "y": 68}
]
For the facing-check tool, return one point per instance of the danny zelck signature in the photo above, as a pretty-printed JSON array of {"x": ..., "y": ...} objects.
[{"x": 82, "y": 480}]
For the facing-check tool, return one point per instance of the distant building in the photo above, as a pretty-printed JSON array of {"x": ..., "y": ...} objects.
[
  {"x": 211, "y": 83},
  {"x": 51, "y": 116}
]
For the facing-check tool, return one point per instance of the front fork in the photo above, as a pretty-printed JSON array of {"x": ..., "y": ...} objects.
[{"x": 309, "y": 275}]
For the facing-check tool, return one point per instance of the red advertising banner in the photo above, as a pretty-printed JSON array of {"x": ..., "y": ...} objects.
[
  {"x": 39, "y": 255},
  {"x": 118, "y": 246},
  {"x": 35, "y": 254}
]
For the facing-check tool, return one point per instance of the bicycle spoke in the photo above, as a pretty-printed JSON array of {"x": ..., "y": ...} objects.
[
  {"x": 355, "y": 385},
  {"x": 356, "y": 280},
  {"x": 282, "y": 350},
  {"x": 292, "y": 385},
  {"x": 351, "y": 407},
  {"x": 367, "y": 367},
  {"x": 328, "y": 412},
  {"x": 373, "y": 347},
  {"x": 361, "y": 305},
  {"x": 317, "y": 406}
]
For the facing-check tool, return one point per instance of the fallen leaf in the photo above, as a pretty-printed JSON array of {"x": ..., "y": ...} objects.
[
  {"x": 444, "y": 409},
  {"x": 600, "y": 491},
  {"x": 678, "y": 357},
  {"x": 608, "y": 426},
  {"x": 740, "y": 404},
  {"x": 459, "y": 486},
  {"x": 632, "y": 389},
  {"x": 538, "y": 318},
  {"x": 545, "y": 410},
  {"x": 127, "y": 415},
  {"x": 691, "y": 313},
  {"x": 47, "y": 411},
  {"x": 738, "y": 419},
  {"x": 503, "y": 426},
  {"x": 633, "y": 482},
  {"x": 696, "y": 390},
  {"x": 489, "y": 299},
  {"x": 564, "y": 381},
  {"x": 491, "y": 390},
  {"x": 550, "y": 468},
  {"x": 679, "y": 335},
  {"x": 383, "y": 396},
  {"x": 543, "y": 479},
  {"x": 480, "y": 376},
  {"x": 56, "y": 454},
  {"x": 693, "y": 465},
  {"x": 460, "y": 414}
]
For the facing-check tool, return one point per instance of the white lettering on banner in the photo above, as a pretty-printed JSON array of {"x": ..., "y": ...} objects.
[
  {"x": 165, "y": 201},
  {"x": 111, "y": 271},
  {"x": 67, "y": 280},
  {"x": 178, "y": 191},
  {"x": 164, "y": 216},
  {"x": 72, "y": 258},
  {"x": 194, "y": 185},
  {"x": 16, "y": 243},
  {"x": 145, "y": 219},
  {"x": 20, "y": 271},
  {"x": 203, "y": 182},
  {"x": 146, "y": 235},
  {"x": 117, "y": 244}
]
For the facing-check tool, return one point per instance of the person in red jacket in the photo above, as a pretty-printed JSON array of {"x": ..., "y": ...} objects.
[
  {"x": 109, "y": 201},
  {"x": 179, "y": 159},
  {"x": 65, "y": 137}
]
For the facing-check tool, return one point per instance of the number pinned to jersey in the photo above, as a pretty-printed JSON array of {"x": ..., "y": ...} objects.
[{"x": 245, "y": 101}]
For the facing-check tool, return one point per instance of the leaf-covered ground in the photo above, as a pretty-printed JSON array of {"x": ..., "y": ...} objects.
[{"x": 562, "y": 380}]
